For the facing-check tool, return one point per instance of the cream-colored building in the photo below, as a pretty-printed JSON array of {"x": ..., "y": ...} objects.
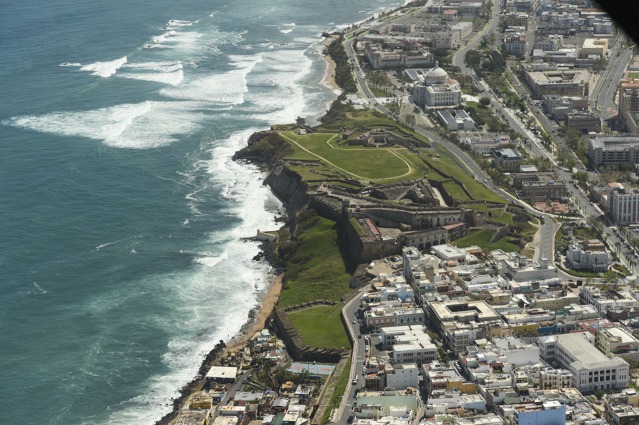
[
  {"x": 594, "y": 46},
  {"x": 615, "y": 340}
]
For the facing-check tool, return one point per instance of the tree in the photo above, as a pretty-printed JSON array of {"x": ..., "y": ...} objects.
[
  {"x": 484, "y": 101},
  {"x": 572, "y": 137},
  {"x": 599, "y": 394},
  {"x": 581, "y": 177}
]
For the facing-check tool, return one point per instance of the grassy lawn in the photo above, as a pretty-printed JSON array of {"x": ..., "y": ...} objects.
[
  {"x": 340, "y": 388},
  {"x": 449, "y": 166},
  {"x": 456, "y": 191},
  {"x": 482, "y": 238},
  {"x": 317, "y": 270},
  {"x": 386, "y": 164},
  {"x": 370, "y": 119},
  {"x": 331, "y": 334},
  {"x": 503, "y": 217}
]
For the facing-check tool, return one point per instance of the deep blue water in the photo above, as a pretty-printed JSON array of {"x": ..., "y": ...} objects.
[{"x": 121, "y": 213}]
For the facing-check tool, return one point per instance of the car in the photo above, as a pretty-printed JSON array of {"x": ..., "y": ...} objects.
[
  {"x": 354, "y": 381},
  {"x": 354, "y": 322}
]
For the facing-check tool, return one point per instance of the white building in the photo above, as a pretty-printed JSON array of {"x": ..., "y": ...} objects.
[
  {"x": 607, "y": 300},
  {"x": 515, "y": 43},
  {"x": 410, "y": 344},
  {"x": 623, "y": 205},
  {"x": 483, "y": 144},
  {"x": 437, "y": 89},
  {"x": 591, "y": 369},
  {"x": 456, "y": 119},
  {"x": 586, "y": 257},
  {"x": 388, "y": 315},
  {"x": 402, "y": 376}
]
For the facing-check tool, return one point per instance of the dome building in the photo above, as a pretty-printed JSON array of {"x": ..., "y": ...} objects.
[{"x": 436, "y": 89}]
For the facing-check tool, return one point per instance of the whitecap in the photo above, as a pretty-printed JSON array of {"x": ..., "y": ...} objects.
[
  {"x": 286, "y": 31},
  {"x": 70, "y": 64},
  {"x": 143, "y": 125},
  {"x": 105, "y": 69},
  {"x": 226, "y": 88}
]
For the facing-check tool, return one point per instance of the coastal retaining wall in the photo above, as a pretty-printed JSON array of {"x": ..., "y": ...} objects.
[{"x": 295, "y": 345}]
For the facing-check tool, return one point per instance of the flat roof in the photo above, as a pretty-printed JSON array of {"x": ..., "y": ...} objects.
[
  {"x": 222, "y": 372},
  {"x": 582, "y": 350}
]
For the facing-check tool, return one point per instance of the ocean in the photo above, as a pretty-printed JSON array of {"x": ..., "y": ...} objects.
[{"x": 122, "y": 215}]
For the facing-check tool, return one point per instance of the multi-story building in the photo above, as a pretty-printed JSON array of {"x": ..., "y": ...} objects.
[
  {"x": 515, "y": 43},
  {"x": 616, "y": 340},
  {"x": 574, "y": 82},
  {"x": 585, "y": 122},
  {"x": 388, "y": 315},
  {"x": 402, "y": 376},
  {"x": 623, "y": 203},
  {"x": 515, "y": 19},
  {"x": 507, "y": 159},
  {"x": 589, "y": 255},
  {"x": 614, "y": 150},
  {"x": 550, "y": 42},
  {"x": 455, "y": 120},
  {"x": 484, "y": 144},
  {"x": 591, "y": 369},
  {"x": 553, "y": 379},
  {"x": 379, "y": 58},
  {"x": 409, "y": 344},
  {"x": 623, "y": 408},
  {"x": 594, "y": 46},
  {"x": 436, "y": 89},
  {"x": 539, "y": 186},
  {"x": 604, "y": 300}
]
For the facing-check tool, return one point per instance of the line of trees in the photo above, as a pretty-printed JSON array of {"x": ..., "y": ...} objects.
[{"x": 343, "y": 75}]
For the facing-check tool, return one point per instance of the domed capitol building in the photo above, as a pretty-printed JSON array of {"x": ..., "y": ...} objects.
[{"x": 434, "y": 88}]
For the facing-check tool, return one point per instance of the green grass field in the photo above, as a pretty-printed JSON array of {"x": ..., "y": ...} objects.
[
  {"x": 446, "y": 164},
  {"x": 331, "y": 334},
  {"x": 317, "y": 270},
  {"x": 367, "y": 164},
  {"x": 503, "y": 217},
  {"x": 482, "y": 238}
]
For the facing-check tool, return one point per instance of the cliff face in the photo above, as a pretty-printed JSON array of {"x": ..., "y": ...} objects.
[{"x": 288, "y": 187}]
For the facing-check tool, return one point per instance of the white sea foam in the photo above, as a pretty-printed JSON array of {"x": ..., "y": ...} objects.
[
  {"x": 212, "y": 300},
  {"x": 226, "y": 88},
  {"x": 136, "y": 126},
  {"x": 179, "y": 23},
  {"x": 70, "y": 64},
  {"x": 280, "y": 74},
  {"x": 286, "y": 31},
  {"x": 105, "y": 69}
]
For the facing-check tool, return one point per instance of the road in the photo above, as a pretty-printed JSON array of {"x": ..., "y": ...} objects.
[
  {"x": 358, "y": 357},
  {"x": 603, "y": 92},
  {"x": 491, "y": 27}
]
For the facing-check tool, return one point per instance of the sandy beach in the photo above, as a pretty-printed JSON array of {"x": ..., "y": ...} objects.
[
  {"x": 329, "y": 75},
  {"x": 268, "y": 301}
]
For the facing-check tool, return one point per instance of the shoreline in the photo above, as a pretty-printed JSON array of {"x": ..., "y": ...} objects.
[{"x": 328, "y": 80}]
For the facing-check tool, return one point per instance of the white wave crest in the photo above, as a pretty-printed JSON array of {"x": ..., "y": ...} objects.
[
  {"x": 227, "y": 88},
  {"x": 105, "y": 69},
  {"x": 143, "y": 125}
]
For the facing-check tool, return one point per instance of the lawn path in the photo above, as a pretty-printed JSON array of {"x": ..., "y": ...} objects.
[{"x": 328, "y": 142}]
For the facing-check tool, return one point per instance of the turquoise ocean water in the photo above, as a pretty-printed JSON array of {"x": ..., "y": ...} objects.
[{"x": 121, "y": 213}]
